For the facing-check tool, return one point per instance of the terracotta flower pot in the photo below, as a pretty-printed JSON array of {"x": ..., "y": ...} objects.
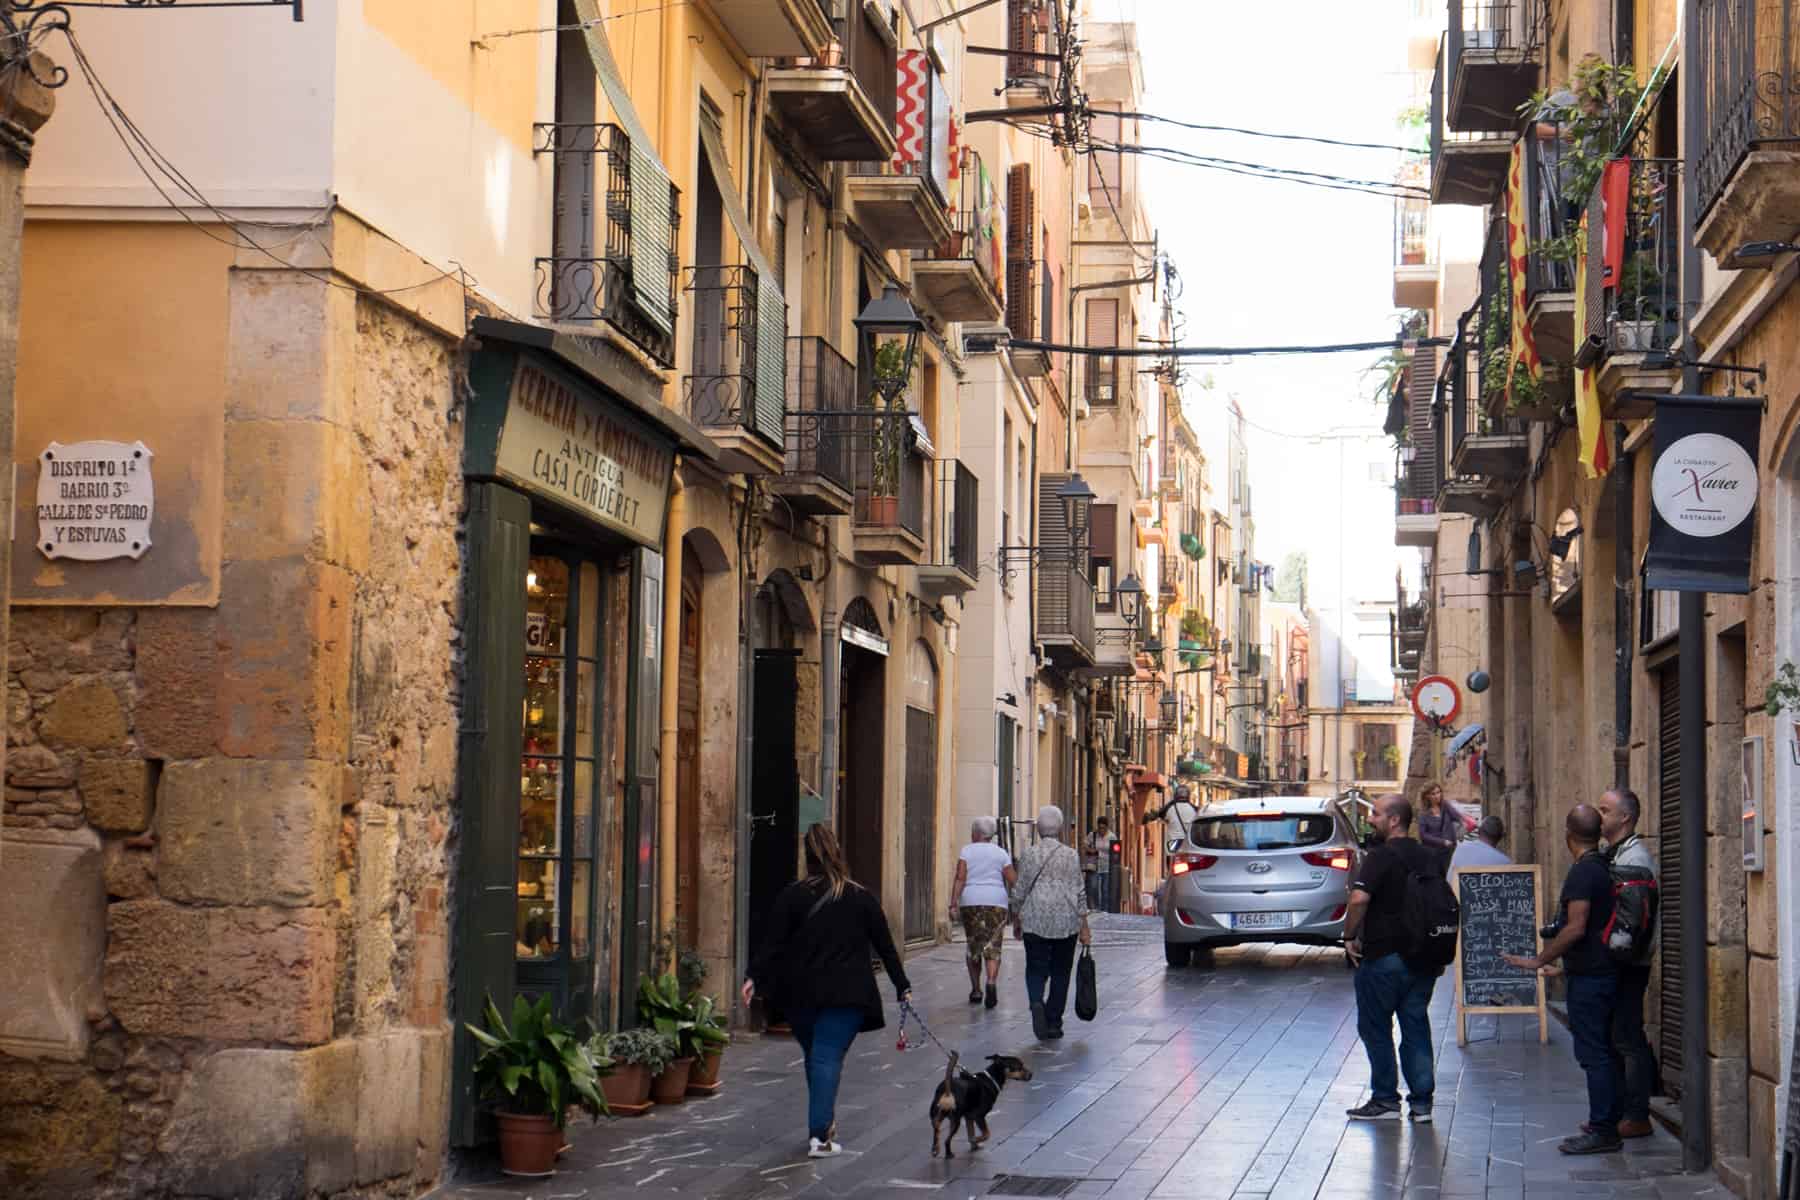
[
  {"x": 528, "y": 1143},
  {"x": 671, "y": 1086},
  {"x": 705, "y": 1072},
  {"x": 627, "y": 1087},
  {"x": 884, "y": 510}
]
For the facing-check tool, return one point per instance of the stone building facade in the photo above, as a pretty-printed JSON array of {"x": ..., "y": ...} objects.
[{"x": 1598, "y": 679}]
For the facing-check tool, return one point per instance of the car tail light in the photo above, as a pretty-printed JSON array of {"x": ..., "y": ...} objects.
[
  {"x": 1337, "y": 914},
  {"x": 1337, "y": 860},
  {"x": 1183, "y": 863}
]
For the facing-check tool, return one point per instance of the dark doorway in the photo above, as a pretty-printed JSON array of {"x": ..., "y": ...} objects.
[
  {"x": 687, "y": 767},
  {"x": 863, "y": 763},
  {"x": 775, "y": 786},
  {"x": 921, "y": 823}
]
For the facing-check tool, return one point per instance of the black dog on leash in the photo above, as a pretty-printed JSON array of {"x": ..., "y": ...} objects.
[{"x": 963, "y": 1097}]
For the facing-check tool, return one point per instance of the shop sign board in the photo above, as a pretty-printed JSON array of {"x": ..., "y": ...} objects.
[
  {"x": 574, "y": 449},
  {"x": 1703, "y": 490},
  {"x": 95, "y": 500}
]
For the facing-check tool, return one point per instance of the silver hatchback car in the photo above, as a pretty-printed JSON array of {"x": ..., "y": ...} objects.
[{"x": 1263, "y": 869}]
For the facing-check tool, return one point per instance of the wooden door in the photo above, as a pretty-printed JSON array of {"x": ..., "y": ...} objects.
[
  {"x": 921, "y": 824},
  {"x": 687, "y": 768}
]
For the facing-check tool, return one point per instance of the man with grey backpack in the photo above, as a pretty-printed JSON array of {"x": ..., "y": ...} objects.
[{"x": 1631, "y": 939}]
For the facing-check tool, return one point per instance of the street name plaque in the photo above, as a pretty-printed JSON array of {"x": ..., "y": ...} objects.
[{"x": 95, "y": 500}]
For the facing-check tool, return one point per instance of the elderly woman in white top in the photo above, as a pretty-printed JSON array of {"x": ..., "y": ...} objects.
[
  {"x": 979, "y": 896},
  {"x": 1050, "y": 910}
]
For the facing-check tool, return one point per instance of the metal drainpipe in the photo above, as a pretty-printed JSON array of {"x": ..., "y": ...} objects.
[
  {"x": 830, "y": 651},
  {"x": 1696, "y": 1127},
  {"x": 671, "y": 684},
  {"x": 1623, "y": 539},
  {"x": 746, "y": 747}
]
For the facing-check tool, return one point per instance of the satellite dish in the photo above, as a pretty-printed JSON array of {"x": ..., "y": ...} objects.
[{"x": 1478, "y": 681}]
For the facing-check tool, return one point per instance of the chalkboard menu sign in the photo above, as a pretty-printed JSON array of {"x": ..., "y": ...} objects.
[{"x": 1501, "y": 914}]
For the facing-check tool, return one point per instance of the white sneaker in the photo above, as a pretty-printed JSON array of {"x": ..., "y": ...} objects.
[{"x": 818, "y": 1149}]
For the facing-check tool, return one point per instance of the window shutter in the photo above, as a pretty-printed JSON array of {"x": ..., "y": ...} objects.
[
  {"x": 1054, "y": 586},
  {"x": 1021, "y": 35},
  {"x": 1103, "y": 530},
  {"x": 1021, "y": 222}
]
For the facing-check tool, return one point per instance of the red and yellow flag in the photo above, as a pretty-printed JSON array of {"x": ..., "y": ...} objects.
[
  {"x": 1523, "y": 352},
  {"x": 1589, "y": 425}
]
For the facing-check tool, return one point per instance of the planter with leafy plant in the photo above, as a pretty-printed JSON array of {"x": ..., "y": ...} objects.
[
  {"x": 637, "y": 1056},
  {"x": 710, "y": 1038},
  {"x": 535, "y": 1070},
  {"x": 664, "y": 1004},
  {"x": 1390, "y": 756},
  {"x": 1783, "y": 695},
  {"x": 888, "y": 451},
  {"x": 1357, "y": 758}
]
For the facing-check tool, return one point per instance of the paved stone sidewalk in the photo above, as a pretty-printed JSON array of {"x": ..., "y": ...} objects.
[{"x": 1228, "y": 1083}]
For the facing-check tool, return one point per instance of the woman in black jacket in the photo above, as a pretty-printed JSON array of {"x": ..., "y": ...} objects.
[{"x": 814, "y": 963}]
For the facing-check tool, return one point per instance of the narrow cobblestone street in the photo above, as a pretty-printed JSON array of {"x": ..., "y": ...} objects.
[{"x": 1229, "y": 1083}]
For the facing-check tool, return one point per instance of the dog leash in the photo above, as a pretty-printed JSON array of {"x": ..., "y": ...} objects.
[{"x": 908, "y": 1011}]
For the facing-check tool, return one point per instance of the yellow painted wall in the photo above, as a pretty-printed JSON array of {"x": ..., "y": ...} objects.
[
  {"x": 122, "y": 336},
  {"x": 495, "y": 76}
]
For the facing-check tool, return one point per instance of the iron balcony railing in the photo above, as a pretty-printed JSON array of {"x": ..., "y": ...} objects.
[
  {"x": 974, "y": 220},
  {"x": 955, "y": 511},
  {"x": 1492, "y": 32},
  {"x": 1065, "y": 604},
  {"x": 1749, "y": 81},
  {"x": 1552, "y": 215},
  {"x": 584, "y": 283},
  {"x": 820, "y": 380},
  {"x": 889, "y": 475},
  {"x": 720, "y": 391},
  {"x": 1411, "y": 215},
  {"x": 1638, "y": 311},
  {"x": 1415, "y": 486}
]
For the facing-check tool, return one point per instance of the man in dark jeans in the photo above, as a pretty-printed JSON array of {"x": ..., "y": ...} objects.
[
  {"x": 1386, "y": 987},
  {"x": 1635, "y": 1060},
  {"x": 1593, "y": 982}
]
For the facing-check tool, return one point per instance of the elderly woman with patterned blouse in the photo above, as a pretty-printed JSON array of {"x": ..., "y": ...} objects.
[
  {"x": 979, "y": 897},
  {"x": 1049, "y": 906}
]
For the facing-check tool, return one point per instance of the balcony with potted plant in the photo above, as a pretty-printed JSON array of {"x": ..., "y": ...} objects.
[
  {"x": 842, "y": 102},
  {"x": 1631, "y": 325},
  {"x": 889, "y": 465},
  {"x": 958, "y": 276}
]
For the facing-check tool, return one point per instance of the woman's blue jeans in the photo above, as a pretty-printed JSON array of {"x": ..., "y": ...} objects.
[{"x": 824, "y": 1035}]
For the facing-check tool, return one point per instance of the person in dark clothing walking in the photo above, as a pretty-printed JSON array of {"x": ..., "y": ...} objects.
[
  {"x": 814, "y": 962},
  {"x": 1386, "y": 987},
  {"x": 1593, "y": 982},
  {"x": 1636, "y": 1062}
]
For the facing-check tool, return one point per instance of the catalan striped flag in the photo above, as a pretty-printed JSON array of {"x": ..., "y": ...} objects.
[
  {"x": 1589, "y": 425},
  {"x": 1523, "y": 352}
]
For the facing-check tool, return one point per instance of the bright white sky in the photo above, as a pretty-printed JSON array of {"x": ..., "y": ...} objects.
[{"x": 1275, "y": 263}]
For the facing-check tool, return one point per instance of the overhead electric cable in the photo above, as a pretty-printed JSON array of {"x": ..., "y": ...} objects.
[
  {"x": 1220, "y": 351},
  {"x": 1285, "y": 137}
]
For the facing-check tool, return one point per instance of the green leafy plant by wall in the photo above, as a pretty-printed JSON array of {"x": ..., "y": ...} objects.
[{"x": 1783, "y": 694}]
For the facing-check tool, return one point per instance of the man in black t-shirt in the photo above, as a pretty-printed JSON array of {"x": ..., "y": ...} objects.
[
  {"x": 1586, "y": 907},
  {"x": 1386, "y": 987}
]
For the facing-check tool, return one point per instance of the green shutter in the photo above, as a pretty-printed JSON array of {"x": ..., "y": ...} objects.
[
  {"x": 651, "y": 236},
  {"x": 499, "y": 550},
  {"x": 769, "y": 417}
]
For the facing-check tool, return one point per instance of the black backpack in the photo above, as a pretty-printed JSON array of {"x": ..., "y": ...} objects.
[
  {"x": 1430, "y": 917},
  {"x": 1630, "y": 933}
]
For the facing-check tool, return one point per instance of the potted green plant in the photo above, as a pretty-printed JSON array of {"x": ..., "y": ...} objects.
[
  {"x": 535, "y": 1069},
  {"x": 710, "y": 1040},
  {"x": 1357, "y": 758},
  {"x": 1783, "y": 695},
  {"x": 637, "y": 1056},
  {"x": 1390, "y": 755},
  {"x": 663, "y": 1006},
  {"x": 889, "y": 448},
  {"x": 1640, "y": 305}
]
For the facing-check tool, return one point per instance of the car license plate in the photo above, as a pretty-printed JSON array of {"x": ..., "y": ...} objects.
[{"x": 1260, "y": 920}]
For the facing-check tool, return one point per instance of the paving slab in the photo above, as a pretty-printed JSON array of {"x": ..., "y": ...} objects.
[{"x": 1227, "y": 1083}]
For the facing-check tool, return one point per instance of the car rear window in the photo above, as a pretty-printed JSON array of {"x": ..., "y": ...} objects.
[{"x": 1272, "y": 831}]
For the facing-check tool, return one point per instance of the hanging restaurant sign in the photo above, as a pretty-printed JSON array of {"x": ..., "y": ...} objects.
[
  {"x": 1703, "y": 488},
  {"x": 571, "y": 447}
]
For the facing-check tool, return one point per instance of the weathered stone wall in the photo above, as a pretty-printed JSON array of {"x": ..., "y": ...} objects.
[{"x": 239, "y": 820}]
